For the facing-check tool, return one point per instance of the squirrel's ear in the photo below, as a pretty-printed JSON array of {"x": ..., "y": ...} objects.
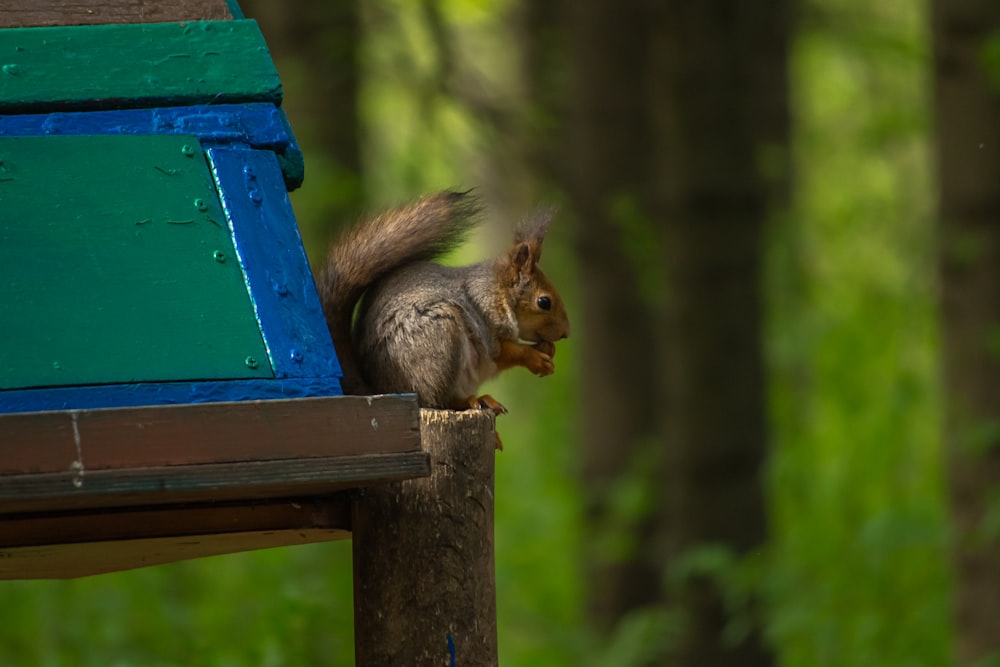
[
  {"x": 522, "y": 260},
  {"x": 532, "y": 232}
]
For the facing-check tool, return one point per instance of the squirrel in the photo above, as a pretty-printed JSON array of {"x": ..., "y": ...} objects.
[{"x": 433, "y": 330}]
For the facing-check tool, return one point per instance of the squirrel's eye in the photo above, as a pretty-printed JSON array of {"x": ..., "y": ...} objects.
[{"x": 544, "y": 302}]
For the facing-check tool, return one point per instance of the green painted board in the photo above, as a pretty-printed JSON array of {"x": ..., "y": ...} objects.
[
  {"x": 116, "y": 266},
  {"x": 119, "y": 66}
]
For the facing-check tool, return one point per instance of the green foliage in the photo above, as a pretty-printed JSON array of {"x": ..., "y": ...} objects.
[
  {"x": 539, "y": 531},
  {"x": 279, "y": 608},
  {"x": 991, "y": 58},
  {"x": 858, "y": 574},
  {"x": 420, "y": 134},
  {"x": 631, "y": 499},
  {"x": 643, "y": 638},
  {"x": 739, "y": 580},
  {"x": 992, "y": 660}
]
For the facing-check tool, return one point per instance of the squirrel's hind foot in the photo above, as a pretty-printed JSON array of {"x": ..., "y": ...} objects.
[
  {"x": 484, "y": 402},
  {"x": 487, "y": 402}
]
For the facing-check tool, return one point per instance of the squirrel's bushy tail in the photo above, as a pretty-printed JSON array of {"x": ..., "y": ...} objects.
[{"x": 365, "y": 253}]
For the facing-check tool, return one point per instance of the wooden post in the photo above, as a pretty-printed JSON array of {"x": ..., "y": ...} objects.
[{"x": 424, "y": 579}]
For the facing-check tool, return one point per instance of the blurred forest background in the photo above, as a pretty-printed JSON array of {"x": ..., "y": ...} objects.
[{"x": 775, "y": 435}]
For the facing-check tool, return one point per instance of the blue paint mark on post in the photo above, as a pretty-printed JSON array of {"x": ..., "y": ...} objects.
[{"x": 451, "y": 651}]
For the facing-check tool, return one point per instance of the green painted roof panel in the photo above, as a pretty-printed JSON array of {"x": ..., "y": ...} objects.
[
  {"x": 116, "y": 265},
  {"x": 134, "y": 65}
]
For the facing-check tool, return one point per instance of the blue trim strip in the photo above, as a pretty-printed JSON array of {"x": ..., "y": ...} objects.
[
  {"x": 163, "y": 393},
  {"x": 291, "y": 159},
  {"x": 258, "y": 125},
  {"x": 277, "y": 271},
  {"x": 234, "y": 9}
]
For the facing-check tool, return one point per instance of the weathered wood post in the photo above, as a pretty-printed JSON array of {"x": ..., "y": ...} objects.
[{"x": 424, "y": 578}]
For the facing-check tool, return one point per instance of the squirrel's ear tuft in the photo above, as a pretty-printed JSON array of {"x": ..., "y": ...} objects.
[
  {"x": 532, "y": 231},
  {"x": 522, "y": 260}
]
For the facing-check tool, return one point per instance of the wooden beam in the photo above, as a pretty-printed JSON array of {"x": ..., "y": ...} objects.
[
  {"x": 30, "y": 13},
  {"x": 66, "y": 545},
  {"x": 163, "y": 435},
  {"x": 248, "y": 480},
  {"x": 211, "y": 451},
  {"x": 424, "y": 580},
  {"x": 33, "y": 529}
]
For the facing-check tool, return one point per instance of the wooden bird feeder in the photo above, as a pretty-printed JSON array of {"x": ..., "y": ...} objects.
[{"x": 168, "y": 388}]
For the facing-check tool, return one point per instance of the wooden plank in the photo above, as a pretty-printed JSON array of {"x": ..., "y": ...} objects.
[
  {"x": 122, "y": 273},
  {"x": 118, "y": 524},
  {"x": 28, "y": 13},
  {"x": 66, "y": 561},
  {"x": 164, "y": 393},
  {"x": 259, "y": 125},
  {"x": 168, "y": 64},
  {"x": 86, "y": 441},
  {"x": 247, "y": 480},
  {"x": 267, "y": 239}
]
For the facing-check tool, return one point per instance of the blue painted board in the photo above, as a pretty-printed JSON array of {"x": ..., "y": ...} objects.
[
  {"x": 163, "y": 393},
  {"x": 258, "y": 125},
  {"x": 292, "y": 160},
  {"x": 280, "y": 282}
]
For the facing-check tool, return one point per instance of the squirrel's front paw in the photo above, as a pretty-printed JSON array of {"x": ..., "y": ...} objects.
[
  {"x": 541, "y": 364},
  {"x": 545, "y": 347}
]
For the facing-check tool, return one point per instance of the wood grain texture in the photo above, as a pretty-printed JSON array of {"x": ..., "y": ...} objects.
[
  {"x": 66, "y": 561},
  {"x": 214, "y": 482},
  {"x": 87, "y": 441},
  {"x": 80, "y": 68},
  {"x": 78, "y": 520},
  {"x": 277, "y": 271},
  {"x": 424, "y": 579},
  {"x": 133, "y": 523},
  {"x": 122, "y": 273},
  {"x": 29, "y": 13}
]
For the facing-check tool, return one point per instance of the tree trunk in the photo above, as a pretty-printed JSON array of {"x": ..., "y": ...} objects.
[
  {"x": 672, "y": 110},
  {"x": 723, "y": 114},
  {"x": 967, "y": 109},
  {"x": 606, "y": 172}
]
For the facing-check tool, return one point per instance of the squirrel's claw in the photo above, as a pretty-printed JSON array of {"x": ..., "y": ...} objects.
[
  {"x": 487, "y": 402},
  {"x": 484, "y": 402}
]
